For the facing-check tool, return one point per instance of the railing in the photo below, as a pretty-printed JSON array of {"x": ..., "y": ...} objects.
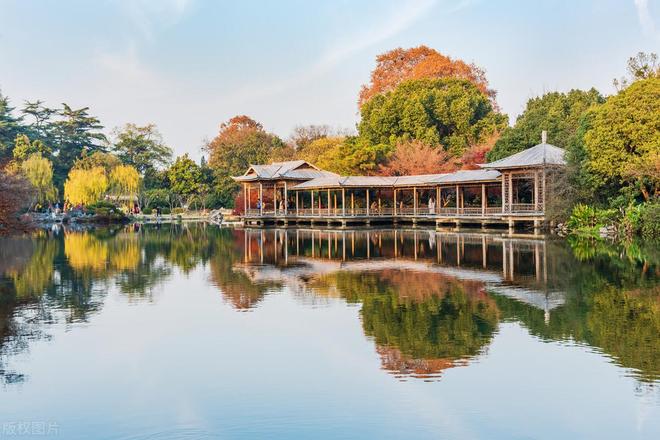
[{"x": 424, "y": 211}]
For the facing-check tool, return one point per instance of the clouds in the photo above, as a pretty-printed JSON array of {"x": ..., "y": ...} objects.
[
  {"x": 148, "y": 16},
  {"x": 646, "y": 20}
]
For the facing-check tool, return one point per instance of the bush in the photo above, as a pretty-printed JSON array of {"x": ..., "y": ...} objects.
[
  {"x": 588, "y": 217},
  {"x": 178, "y": 211},
  {"x": 649, "y": 220},
  {"x": 631, "y": 220},
  {"x": 147, "y": 211}
]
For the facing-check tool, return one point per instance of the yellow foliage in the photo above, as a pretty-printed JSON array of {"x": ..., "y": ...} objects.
[
  {"x": 84, "y": 252},
  {"x": 39, "y": 171},
  {"x": 85, "y": 186},
  {"x": 125, "y": 254},
  {"x": 125, "y": 181}
]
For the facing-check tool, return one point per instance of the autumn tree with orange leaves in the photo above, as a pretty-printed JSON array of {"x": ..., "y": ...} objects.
[
  {"x": 420, "y": 62},
  {"x": 242, "y": 141},
  {"x": 416, "y": 157}
]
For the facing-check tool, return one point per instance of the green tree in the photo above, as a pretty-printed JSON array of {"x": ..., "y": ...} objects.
[
  {"x": 241, "y": 142},
  {"x": 23, "y": 148},
  {"x": 10, "y": 127},
  {"x": 141, "y": 147},
  {"x": 623, "y": 138},
  {"x": 76, "y": 131},
  {"x": 452, "y": 113},
  {"x": 39, "y": 171},
  {"x": 106, "y": 161},
  {"x": 39, "y": 121},
  {"x": 557, "y": 113},
  {"x": 186, "y": 178}
]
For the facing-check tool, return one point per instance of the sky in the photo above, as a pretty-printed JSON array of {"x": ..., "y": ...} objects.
[{"x": 189, "y": 65}]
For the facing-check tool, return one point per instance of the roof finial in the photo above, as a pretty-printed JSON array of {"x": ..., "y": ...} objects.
[{"x": 544, "y": 137}]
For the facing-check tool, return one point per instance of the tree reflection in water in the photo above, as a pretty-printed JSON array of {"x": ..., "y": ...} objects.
[{"x": 428, "y": 300}]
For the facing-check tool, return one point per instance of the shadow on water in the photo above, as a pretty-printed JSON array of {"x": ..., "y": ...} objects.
[{"x": 428, "y": 300}]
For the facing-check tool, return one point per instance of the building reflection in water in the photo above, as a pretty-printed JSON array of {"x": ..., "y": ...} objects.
[{"x": 425, "y": 295}]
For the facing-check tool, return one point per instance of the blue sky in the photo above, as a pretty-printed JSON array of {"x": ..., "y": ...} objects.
[{"x": 188, "y": 65}]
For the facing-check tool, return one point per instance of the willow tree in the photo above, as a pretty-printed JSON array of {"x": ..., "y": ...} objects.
[
  {"x": 86, "y": 186},
  {"x": 124, "y": 182},
  {"x": 39, "y": 171}
]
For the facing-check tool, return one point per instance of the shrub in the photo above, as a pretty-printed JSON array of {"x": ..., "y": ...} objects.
[
  {"x": 178, "y": 211},
  {"x": 587, "y": 217},
  {"x": 147, "y": 211},
  {"x": 631, "y": 220},
  {"x": 649, "y": 220}
]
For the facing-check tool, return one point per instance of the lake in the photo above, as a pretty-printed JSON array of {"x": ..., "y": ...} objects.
[{"x": 193, "y": 331}]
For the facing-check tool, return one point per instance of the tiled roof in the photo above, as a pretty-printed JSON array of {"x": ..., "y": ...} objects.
[
  {"x": 539, "y": 155},
  {"x": 283, "y": 170},
  {"x": 400, "y": 181}
]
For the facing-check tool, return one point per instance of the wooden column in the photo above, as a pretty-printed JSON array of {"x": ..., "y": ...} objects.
[
  {"x": 329, "y": 203},
  {"x": 458, "y": 199},
  {"x": 286, "y": 199},
  {"x": 536, "y": 190},
  {"x": 297, "y": 203},
  {"x": 245, "y": 199},
  {"x": 415, "y": 200},
  {"x": 510, "y": 192},
  {"x": 483, "y": 199},
  {"x": 312, "y": 192},
  {"x": 437, "y": 200},
  {"x": 395, "y": 205},
  {"x": 343, "y": 202},
  {"x": 367, "y": 202},
  {"x": 545, "y": 194},
  {"x": 261, "y": 198},
  {"x": 352, "y": 202},
  {"x": 503, "y": 192}
]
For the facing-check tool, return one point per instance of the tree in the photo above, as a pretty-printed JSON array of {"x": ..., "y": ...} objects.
[
  {"x": 141, "y": 147},
  {"x": 40, "y": 126},
  {"x": 357, "y": 156},
  {"x": 23, "y": 148},
  {"x": 106, "y": 161},
  {"x": 76, "y": 131},
  {"x": 241, "y": 142},
  {"x": 86, "y": 186},
  {"x": 15, "y": 193},
  {"x": 450, "y": 113},
  {"x": 623, "y": 137},
  {"x": 322, "y": 152},
  {"x": 303, "y": 135},
  {"x": 557, "y": 113},
  {"x": 416, "y": 157},
  {"x": 186, "y": 178},
  {"x": 641, "y": 66},
  {"x": 39, "y": 171},
  {"x": 124, "y": 182},
  {"x": 399, "y": 65},
  {"x": 10, "y": 127}
]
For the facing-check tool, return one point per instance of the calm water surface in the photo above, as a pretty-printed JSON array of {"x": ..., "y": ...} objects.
[{"x": 193, "y": 331}]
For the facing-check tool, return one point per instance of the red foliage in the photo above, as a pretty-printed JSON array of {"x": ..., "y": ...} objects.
[
  {"x": 399, "y": 65},
  {"x": 476, "y": 154}
]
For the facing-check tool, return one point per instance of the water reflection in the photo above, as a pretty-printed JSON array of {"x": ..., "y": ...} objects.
[{"x": 429, "y": 301}]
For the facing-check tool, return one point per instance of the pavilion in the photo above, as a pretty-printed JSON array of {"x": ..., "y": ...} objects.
[{"x": 508, "y": 191}]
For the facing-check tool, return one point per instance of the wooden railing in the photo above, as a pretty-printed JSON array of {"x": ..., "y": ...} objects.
[{"x": 470, "y": 211}]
